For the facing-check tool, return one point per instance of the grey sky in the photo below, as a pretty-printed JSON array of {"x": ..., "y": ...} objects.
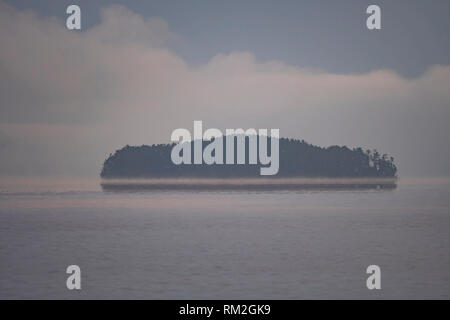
[
  {"x": 328, "y": 35},
  {"x": 135, "y": 73}
]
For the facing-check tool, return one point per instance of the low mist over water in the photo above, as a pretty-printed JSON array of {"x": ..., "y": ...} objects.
[{"x": 248, "y": 184}]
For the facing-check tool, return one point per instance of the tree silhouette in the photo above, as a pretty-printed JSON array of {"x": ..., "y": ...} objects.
[{"x": 297, "y": 159}]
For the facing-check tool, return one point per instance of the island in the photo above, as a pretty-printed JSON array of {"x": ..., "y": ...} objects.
[{"x": 300, "y": 164}]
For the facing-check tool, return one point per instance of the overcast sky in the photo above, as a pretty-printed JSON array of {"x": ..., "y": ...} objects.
[{"x": 141, "y": 69}]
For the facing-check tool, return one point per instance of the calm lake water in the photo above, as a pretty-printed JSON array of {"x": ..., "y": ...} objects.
[{"x": 224, "y": 244}]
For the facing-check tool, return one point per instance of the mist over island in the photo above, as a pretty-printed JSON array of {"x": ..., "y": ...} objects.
[{"x": 297, "y": 159}]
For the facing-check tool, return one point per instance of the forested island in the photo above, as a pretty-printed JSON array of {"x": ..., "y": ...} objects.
[{"x": 297, "y": 158}]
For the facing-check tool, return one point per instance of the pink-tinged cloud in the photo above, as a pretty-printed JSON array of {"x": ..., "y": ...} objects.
[{"x": 69, "y": 98}]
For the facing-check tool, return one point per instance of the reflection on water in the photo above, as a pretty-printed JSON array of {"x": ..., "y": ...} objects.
[{"x": 260, "y": 184}]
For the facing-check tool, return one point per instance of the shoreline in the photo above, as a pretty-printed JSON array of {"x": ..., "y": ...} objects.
[{"x": 248, "y": 183}]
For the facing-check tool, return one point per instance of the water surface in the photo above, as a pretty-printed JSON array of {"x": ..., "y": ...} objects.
[{"x": 292, "y": 244}]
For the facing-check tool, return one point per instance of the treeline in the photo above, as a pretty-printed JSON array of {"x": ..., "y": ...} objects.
[{"x": 296, "y": 159}]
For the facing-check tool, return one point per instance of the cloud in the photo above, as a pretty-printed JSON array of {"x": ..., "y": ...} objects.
[{"x": 69, "y": 98}]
